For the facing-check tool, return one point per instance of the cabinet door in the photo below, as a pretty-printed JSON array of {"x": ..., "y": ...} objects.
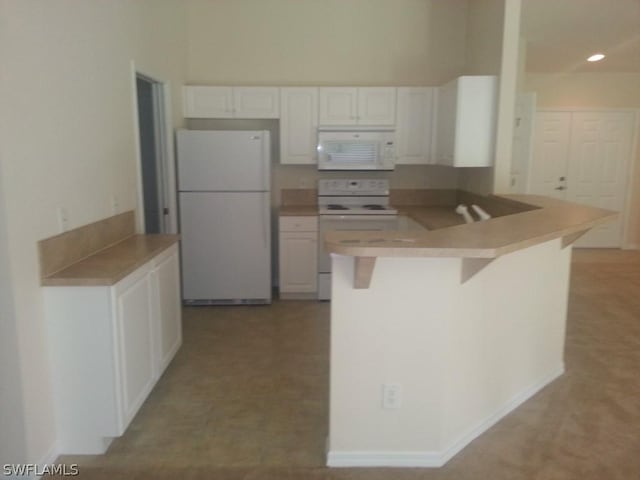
[
  {"x": 446, "y": 102},
  {"x": 256, "y": 102},
  {"x": 377, "y": 106},
  {"x": 338, "y": 106},
  {"x": 208, "y": 102},
  {"x": 414, "y": 125},
  {"x": 135, "y": 350},
  {"x": 298, "y": 262},
  {"x": 167, "y": 318},
  {"x": 298, "y": 125}
]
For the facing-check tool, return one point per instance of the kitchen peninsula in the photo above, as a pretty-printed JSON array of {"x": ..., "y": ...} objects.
[{"x": 436, "y": 335}]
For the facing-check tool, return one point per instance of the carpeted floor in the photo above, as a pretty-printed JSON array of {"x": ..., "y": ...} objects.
[{"x": 246, "y": 398}]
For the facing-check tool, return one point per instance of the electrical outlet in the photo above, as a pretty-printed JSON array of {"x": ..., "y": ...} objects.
[
  {"x": 391, "y": 395},
  {"x": 63, "y": 219}
]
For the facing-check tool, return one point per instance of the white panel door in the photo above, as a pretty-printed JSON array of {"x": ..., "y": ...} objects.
[
  {"x": 298, "y": 261},
  {"x": 223, "y": 160},
  {"x": 298, "y": 125},
  {"x": 551, "y": 144},
  {"x": 338, "y": 106},
  {"x": 414, "y": 125},
  {"x": 377, "y": 106},
  {"x": 167, "y": 318},
  {"x": 226, "y": 245},
  {"x": 601, "y": 148},
  {"x": 522, "y": 138},
  {"x": 133, "y": 307}
]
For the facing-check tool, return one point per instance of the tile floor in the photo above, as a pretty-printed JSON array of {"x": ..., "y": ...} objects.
[{"x": 246, "y": 398}]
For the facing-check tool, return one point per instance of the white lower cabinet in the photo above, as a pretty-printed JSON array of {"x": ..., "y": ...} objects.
[
  {"x": 109, "y": 345},
  {"x": 298, "y": 255}
]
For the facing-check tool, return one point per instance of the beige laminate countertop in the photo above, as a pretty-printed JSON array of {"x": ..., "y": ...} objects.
[
  {"x": 112, "y": 264},
  {"x": 489, "y": 239},
  {"x": 432, "y": 218}
]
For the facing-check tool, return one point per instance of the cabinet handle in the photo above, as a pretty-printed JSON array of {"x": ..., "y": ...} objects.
[{"x": 560, "y": 188}]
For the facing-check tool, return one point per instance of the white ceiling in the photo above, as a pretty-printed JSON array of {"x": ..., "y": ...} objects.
[{"x": 561, "y": 34}]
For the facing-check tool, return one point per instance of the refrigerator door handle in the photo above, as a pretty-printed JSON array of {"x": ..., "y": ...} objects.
[
  {"x": 265, "y": 226},
  {"x": 264, "y": 162}
]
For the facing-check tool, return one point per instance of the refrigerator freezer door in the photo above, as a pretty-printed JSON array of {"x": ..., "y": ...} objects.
[
  {"x": 226, "y": 246},
  {"x": 223, "y": 160}
]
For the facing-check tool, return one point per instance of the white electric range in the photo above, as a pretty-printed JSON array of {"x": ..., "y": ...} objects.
[{"x": 353, "y": 204}]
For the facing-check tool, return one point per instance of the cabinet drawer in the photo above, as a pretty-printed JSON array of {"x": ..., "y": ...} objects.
[{"x": 299, "y": 224}]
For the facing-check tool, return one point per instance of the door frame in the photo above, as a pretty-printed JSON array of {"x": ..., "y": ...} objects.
[
  {"x": 164, "y": 144},
  {"x": 632, "y": 167}
]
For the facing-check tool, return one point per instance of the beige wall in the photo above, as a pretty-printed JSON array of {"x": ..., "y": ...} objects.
[
  {"x": 485, "y": 19},
  {"x": 329, "y": 42},
  {"x": 594, "y": 90},
  {"x": 339, "y": 42},
  {"x": 12, "y": 441},
  {"x": 68, "y": 141}
]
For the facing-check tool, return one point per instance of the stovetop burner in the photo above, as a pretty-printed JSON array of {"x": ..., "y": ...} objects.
[{"x": 354, "y": 197}]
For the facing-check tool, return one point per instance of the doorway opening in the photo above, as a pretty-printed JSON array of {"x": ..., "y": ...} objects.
[{"x": 154, "y": 156}]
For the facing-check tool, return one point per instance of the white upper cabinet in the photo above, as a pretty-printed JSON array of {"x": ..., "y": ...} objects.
[
  {"x": 208, "y": 102},
  {"x": 231, "y": 102},
  {"x": 256, "y": 102},
  {"x": 298, "y": 125},
  {"x": 414, "y": 125},
  {"x": 377, "y": 106},
  {"x": 466, "y": 121},
  {"x": 358, "y": 106},
  {"x": 338, "y": 106}
]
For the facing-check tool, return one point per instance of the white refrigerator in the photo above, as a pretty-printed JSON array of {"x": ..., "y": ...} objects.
[{"x": 225, "y": 216}]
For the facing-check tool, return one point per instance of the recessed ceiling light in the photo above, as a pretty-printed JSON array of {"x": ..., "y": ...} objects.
[{"x": 595, "y": 57}]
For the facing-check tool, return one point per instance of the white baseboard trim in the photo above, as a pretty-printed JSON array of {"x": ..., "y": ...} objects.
[
  {"x": 47, "y": 459},
  {"x": 438, "y": 458},
  {"x": 384, "y": 459},
  {"x": 515, "y": 401}
]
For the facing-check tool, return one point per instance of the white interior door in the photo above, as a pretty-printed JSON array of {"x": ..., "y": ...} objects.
[
  {"x": 551, "y": 143},
  {"x": 599, "y": 159},
  {"x": 522, "y": 138},
  {"x": 584, "y": 157}
]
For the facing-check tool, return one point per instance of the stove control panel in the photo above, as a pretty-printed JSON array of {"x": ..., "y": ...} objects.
[{"x": 358, "y": 187}]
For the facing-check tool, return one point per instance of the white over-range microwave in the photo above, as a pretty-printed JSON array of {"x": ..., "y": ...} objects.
[{"x": 353, "y": 148}]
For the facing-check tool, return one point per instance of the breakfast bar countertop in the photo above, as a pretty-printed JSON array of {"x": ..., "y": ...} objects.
[
  {"x": 108, "y": 266},
  {"x": 548, "y": 219}
]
